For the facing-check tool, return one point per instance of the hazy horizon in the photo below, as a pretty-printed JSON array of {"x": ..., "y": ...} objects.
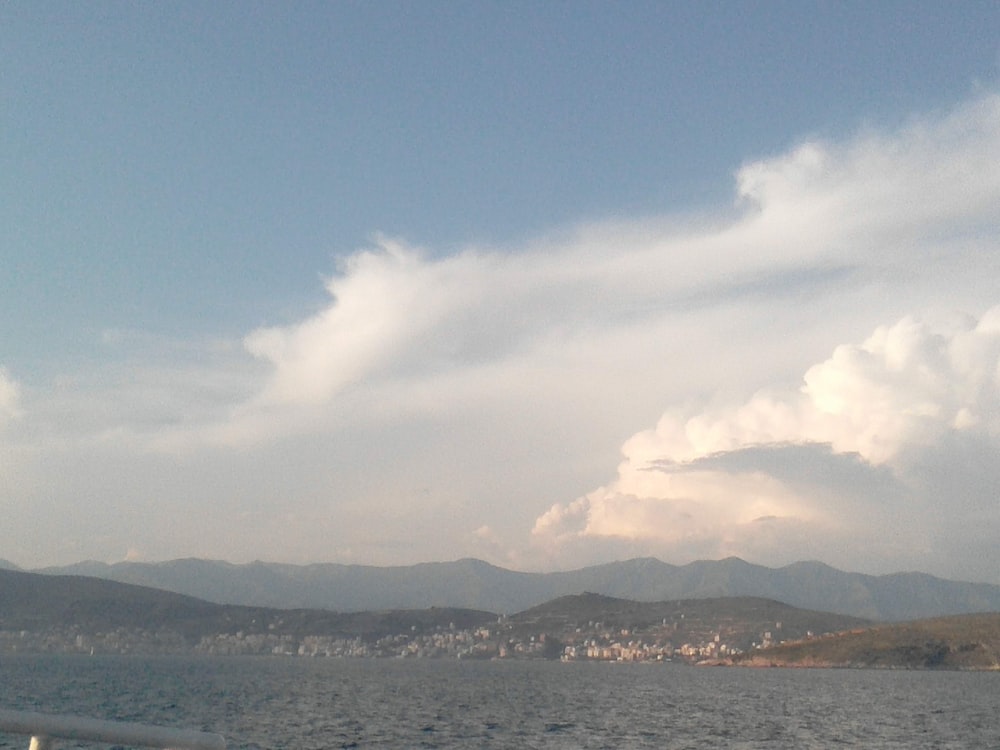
[{"x": 509, "y": 568}]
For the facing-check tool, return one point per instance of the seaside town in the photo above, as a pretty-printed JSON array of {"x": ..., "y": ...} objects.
[{"x": 500, "y": 640}]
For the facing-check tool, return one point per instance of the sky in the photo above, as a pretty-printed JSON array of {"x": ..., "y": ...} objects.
[{"x": 545, "y": 284}]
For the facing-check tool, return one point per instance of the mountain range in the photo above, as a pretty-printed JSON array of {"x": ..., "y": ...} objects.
[{"x": 474, "y": 584}]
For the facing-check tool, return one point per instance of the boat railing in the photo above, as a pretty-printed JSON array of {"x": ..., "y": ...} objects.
[{"x": 44, "y": 729}]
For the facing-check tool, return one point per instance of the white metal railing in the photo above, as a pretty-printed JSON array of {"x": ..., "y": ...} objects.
[{"x": 44, "y": 728}]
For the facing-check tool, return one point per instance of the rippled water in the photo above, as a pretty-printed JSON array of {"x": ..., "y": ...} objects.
[{"x": 330, "y": 703}]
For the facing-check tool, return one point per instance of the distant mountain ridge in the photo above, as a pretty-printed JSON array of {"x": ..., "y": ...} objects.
[{"x": 474, "y": 584}]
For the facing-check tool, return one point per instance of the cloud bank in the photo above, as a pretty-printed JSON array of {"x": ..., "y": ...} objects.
[
  {"x": 448, "y": 404},
  {"x": 883, "y": 210},
  {"x": 836, "y": 468}
]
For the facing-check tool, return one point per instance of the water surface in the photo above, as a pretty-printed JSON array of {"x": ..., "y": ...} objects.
[{"x": 333, "y": 703}]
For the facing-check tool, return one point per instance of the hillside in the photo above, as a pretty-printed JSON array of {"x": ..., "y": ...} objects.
[
  {"x": 474, "y": 584},
  {"x": 80, "y": 614},
  {"x": 80, "y": 605},
  {"x": 959, "y": 642},
  {"x": 737, "y": 622},
  {"x": 569, "y": 612}
]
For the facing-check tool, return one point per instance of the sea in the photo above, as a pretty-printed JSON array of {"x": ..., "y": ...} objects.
[{"x": 301, "y": 703}]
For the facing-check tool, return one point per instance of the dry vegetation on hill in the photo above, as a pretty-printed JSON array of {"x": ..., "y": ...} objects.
[{"x": 959, "y": 642}]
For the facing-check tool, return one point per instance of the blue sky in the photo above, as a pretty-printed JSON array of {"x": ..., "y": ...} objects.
[
  {"x": 192, "y": 168},
  {"x": 388, "y": 282}
]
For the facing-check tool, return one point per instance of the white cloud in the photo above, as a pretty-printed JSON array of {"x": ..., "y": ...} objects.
[
  {"x": 384, "y": 302},
  {"x": 439, "y": 403},
  {"x": 882, "y": 207},
  {"x": 840, "y": 462}
]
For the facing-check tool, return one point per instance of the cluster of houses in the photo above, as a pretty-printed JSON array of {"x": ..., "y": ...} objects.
[
  {"x": 501, "y": 641},
  {"x": 477, "y": 643}
]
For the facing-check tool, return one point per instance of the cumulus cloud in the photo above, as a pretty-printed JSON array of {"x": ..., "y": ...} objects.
[
  {"x": 841, "y": 463},
  {"x": 384, "y": 302},
  {"x": 438, "y": 403},
  {"x": 873, "y": 210}
]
